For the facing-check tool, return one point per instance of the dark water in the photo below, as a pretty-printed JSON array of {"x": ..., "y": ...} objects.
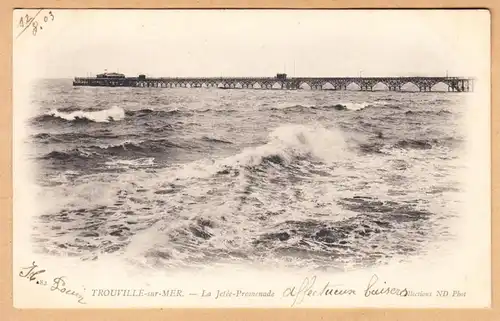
[{"x": 177, "y": 177}]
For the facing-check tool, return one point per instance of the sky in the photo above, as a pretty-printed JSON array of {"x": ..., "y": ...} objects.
[{"x": 178, "y": 43}]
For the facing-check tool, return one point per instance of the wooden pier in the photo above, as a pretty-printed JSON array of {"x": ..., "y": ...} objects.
[{"x": 280, "y": 81}]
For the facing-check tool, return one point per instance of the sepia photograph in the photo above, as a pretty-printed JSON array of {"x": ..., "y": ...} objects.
[{"x": 266, "y": 153}]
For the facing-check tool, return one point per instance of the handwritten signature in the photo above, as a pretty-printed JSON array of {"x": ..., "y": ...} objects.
[
  {"x": 27, "y": 21},
  {"x": 34, "y": 273},
  {"x": 31, "y": 272}
]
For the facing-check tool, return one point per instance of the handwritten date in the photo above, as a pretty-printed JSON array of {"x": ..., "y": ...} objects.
[{"x": 36, "y": 24}]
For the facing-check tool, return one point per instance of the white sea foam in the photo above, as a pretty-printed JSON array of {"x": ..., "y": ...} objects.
[
  {"x": 292, "y": 140},
  {"x": 356, "y": 106},
  {"x": 124, "y": 163},
  {"x": 102, "y": 116}
]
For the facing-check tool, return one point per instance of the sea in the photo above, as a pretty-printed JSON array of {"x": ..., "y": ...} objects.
[{"x": 196, "y": 177}]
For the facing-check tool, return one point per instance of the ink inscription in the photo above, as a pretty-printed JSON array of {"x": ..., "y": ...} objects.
[
  {"x": 59, "y": 284},
  {"x": 36, "y": 23}
]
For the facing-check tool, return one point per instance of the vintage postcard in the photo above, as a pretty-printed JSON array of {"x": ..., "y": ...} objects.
[{"x": 251, "y": 158}]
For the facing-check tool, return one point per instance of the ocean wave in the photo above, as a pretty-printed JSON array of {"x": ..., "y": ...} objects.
[
  {"x": 379, "y": 105},
  {"x": 310, "y": 108},
  {"x": 292, "y": 109},
  {"x": 66, "y": 156},
  {"x": 371, "y": 148},
  {"x": 147, "y": 162},
  {"x": 140, "y": 112},
  {"x": 382, "y": 144},
  {"x": 439, "y": 101},
  {"x": 444, "y": 112},
  {"x": 363, "y": 230},
  {"x": 440, "y": 112},
  {"x": 387, "y": 99},
  {"x": 416, "y": 143},
  {"x": 289, "y": 143},
  {"x": 362, "y": 106},
  {"x": 215, "y": 140},
  {"x": 341, "y": 106},
  {"x": 125, "y": 149},
  {"x": 356, "y": 106},
  {"x": 285, "y": 145},
  {"x": 71, "y": 109},
  {"x": 76, "y": 137},
  {"x": 144, "y": 147},
  {"x": 102, "y": 116},
  {"x": 335, "y": 107},
  {"x": 223, "y": 111},
  {"x": 147, "y": 112}
]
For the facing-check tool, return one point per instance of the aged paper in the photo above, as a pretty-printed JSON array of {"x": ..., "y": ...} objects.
[{"x": 264, "y": 158}]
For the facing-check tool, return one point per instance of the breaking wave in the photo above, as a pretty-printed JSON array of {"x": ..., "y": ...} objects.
[
  {"x": 356, "y": 106},
  {"x": 102, "y": 116},
  {"x": 294, "y": 141}
]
